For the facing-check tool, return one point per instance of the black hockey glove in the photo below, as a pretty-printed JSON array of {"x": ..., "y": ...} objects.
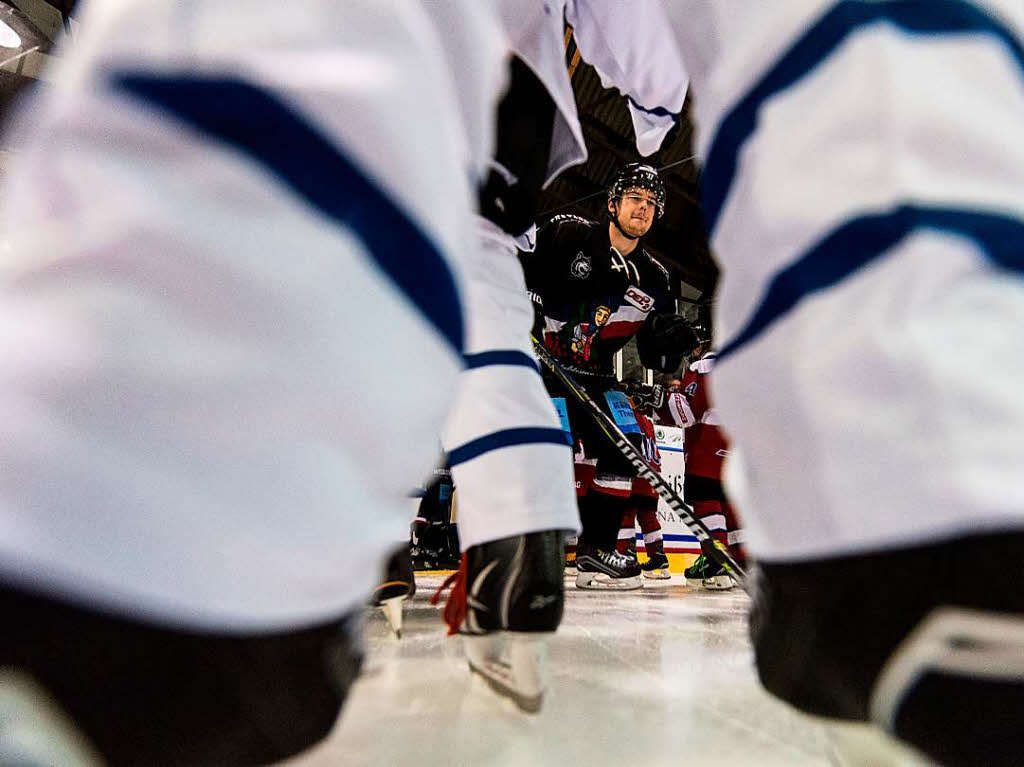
[
  {"x": 665, "y": 341},
  {"x": 644, "y": 397}
]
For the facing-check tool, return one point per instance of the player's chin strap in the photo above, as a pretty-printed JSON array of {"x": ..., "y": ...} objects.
[
  {"x": 615, "y": 220},
  {"x": 644, "y": 469}
]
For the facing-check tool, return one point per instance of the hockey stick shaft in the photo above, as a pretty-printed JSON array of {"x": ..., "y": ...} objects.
[{"x": 644, "y": 469}]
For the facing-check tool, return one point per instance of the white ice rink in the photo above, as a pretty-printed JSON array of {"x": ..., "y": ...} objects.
[{"x": 662, "y": 676}]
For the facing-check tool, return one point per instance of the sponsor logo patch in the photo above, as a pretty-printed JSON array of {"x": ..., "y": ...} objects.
[{"x": 639, "y": 299}]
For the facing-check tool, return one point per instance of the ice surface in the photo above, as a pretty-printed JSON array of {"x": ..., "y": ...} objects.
[{"x": 662, "y": 675}]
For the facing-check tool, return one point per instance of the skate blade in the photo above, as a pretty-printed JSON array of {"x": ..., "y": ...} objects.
[
  {"x": 513, "y": 665},
  {"x": 392, "y": 609},
  {"x": 594, "y": 582},
  {"x": 657, "y": 575},
  {"x": 718, "y": 583}
]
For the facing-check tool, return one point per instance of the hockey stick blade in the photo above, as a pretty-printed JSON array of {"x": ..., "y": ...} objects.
[{"x": 644, "y": 469}]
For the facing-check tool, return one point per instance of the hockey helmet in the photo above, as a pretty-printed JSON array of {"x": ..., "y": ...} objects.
[{"x": 639, "y": 176}]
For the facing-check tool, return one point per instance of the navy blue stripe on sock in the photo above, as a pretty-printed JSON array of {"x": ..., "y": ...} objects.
[
  {"x": 257, "y": 123},
  {"x": 922, "y": 17},
  {"x": 860, "y": 241},
  {"x": 501, "y": 357},
  {"x": 526, "y": 435}
]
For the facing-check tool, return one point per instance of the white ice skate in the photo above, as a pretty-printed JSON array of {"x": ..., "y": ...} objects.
[{"x": 506, "y": 601}]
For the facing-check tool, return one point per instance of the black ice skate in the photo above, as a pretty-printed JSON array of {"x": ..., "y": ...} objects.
[
  {"x": 656, "y": 566},
  {"x": 399, "y": 584},
  {"x": 606, "y": 570},
  {"x": 717, "y": 578},
  {"x": 435, "y": 545},
  {"x": 506, "y": 598},
  {"x": 694, "y": 574},
  {"x": 708, "y": 574}
]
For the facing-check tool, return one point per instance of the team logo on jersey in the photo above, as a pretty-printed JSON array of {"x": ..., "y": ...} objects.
[
  {"x": 639, "y": 299},
  {"x": 580, "y": 268}
]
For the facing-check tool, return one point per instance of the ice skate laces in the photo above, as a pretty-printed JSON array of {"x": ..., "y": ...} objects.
[
  {"x": 614, "y": 558},
  {"x": 455, "y": 608}
]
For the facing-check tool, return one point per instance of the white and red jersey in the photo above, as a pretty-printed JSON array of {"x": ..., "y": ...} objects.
[{"x": 691, "y": 408}]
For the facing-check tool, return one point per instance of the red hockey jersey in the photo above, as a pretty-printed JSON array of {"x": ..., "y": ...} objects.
[{"x": 691, "y": 408}]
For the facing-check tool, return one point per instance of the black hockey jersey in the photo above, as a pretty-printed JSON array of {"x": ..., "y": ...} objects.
[{"x": 590, "y": 299}]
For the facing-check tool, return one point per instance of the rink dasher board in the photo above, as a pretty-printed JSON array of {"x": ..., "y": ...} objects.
[{"x": 678, "y": 538}]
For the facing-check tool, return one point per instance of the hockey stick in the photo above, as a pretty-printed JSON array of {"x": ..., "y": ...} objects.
[{"x": 644, "y": 469}]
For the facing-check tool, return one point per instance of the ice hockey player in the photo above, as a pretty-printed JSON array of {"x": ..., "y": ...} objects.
[
  {"x": 196, "y": 493},
  {"x": 510, "y": 459},
  {"x": 595, "y": 287},
  {"x": 863, "y": 189},
  {"x": 510, "y": 456},
  {"x": 706, "y": 448}
]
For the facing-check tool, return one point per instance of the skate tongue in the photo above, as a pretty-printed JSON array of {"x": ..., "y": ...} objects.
[{"x": 455, "y": 608}]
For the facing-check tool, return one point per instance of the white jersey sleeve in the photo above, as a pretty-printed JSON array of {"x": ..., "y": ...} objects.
[
  {"x": 630, "y": 44},
  {"x": 534, "y": 29},
  {"x": 633, "y": 48}
]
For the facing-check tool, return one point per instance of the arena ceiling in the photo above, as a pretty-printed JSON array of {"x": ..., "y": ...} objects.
[{"x": 677, "y": 239}]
